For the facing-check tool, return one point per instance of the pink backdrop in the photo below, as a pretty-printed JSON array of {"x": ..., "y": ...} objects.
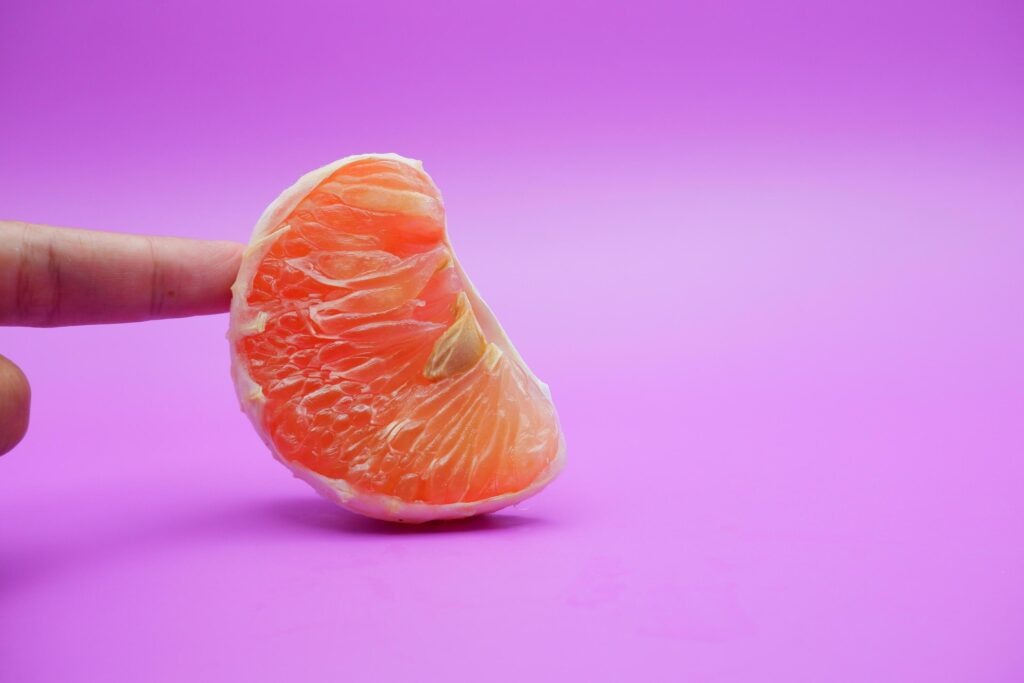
[{"x": 767, "y": 255}]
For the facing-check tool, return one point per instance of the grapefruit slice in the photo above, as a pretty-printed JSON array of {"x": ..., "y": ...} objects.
[{"x": 369, "y": 364}]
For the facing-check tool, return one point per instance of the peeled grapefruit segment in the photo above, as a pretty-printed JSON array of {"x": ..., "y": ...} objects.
[{"x": 369, "y": 364}]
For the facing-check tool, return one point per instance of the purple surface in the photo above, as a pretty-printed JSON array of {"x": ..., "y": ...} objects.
[{"x": 767, "y": 255}]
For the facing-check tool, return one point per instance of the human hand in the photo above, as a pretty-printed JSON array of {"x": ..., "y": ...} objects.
[{"x": 63, "y": 276}]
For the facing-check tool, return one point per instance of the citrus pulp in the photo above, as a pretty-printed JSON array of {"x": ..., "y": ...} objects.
[{"x": 368, "y": 363}]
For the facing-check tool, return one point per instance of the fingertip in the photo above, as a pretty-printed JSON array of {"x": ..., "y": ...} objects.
[
  {"x": 223, "y": 260},
  {"x": 195, "y": 276},
  {"x": 231, "y": 250},
  {"x": 15, "y": 397}
]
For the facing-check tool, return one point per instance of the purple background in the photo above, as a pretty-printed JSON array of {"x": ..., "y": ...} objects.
[{"x": 767, "y": 255}]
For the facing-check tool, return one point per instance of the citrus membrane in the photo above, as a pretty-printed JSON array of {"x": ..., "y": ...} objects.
[{"x": 368, "y": 363}]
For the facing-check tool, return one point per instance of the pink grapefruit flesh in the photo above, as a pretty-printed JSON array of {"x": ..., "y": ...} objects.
[{"x": 368, "y": 363}]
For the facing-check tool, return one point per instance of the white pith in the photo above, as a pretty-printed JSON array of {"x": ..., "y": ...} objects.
[{"x": 245, "y": 320}]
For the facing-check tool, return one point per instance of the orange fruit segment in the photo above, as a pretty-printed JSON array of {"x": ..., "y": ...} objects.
[{"x": 369, "y": 364}]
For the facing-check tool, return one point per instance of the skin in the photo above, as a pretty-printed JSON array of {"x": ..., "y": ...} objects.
[{"x": 51, "y": 277}]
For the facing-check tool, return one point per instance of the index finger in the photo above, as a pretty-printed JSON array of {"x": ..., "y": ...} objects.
[{"x": 65, "y": 276}]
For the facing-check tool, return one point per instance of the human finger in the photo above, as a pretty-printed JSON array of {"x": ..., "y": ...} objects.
[
  {"x": 14, "y": 404},
  {"x": 65, "y": 276}
]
